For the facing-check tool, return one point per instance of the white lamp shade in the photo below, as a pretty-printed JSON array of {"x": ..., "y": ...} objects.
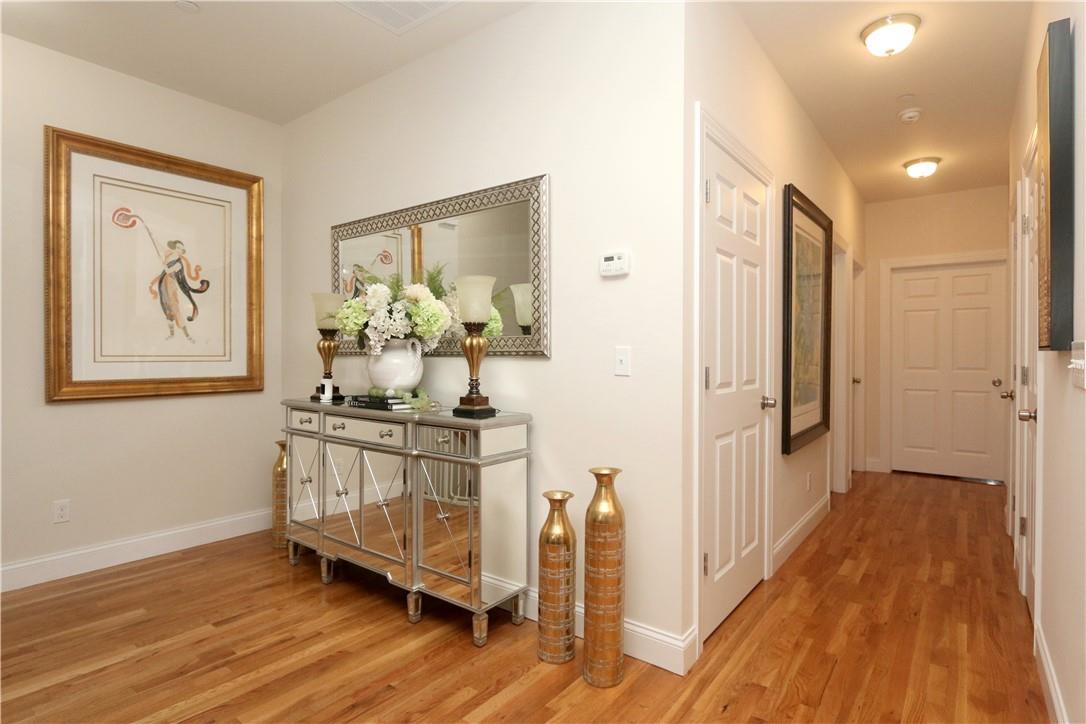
[
  {"x": 473, "y": 294},
  {"x": 325, "y": 306},
  {"x": 522, "y": 301}
]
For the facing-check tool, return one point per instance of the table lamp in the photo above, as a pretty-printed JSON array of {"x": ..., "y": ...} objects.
[
  {"x": 522, "y": 303},
  {"x": 473, "y": 294},
  {"x": 325, "y": 306}
]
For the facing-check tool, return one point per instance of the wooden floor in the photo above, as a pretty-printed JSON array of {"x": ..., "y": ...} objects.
[{"x": 901, "y": 606}]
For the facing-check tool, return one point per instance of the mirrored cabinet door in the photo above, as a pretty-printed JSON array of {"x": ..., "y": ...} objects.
[
  {"x": 304, "y": 476},
  {"x": 342, "y": 492},
  {"x": 448, "y": 523},
  {"x": 384, "y": 505}
]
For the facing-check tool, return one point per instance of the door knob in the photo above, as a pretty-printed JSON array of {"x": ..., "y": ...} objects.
[
  {"x": 768, "y": 402},
  {"x": 856, "y": 380},
  {"x": 997, "y": 382},
  {"x": 1027, "y": 415},
  {"x": 1008, "y": 395}
]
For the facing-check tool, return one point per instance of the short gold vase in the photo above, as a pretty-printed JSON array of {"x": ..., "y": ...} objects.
[
  {"x": 557, "y": 581},
  {"x": 604, "y": 582}
]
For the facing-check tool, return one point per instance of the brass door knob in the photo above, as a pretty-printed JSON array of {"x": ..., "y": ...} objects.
[
  {"x": 1027, "y": 415},
  {"x": 997, "y": 382},
  {"x": 856, "y": 380},
  {"x": 1008, "y": 395}
]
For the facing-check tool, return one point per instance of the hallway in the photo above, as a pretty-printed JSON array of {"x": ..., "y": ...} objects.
[{"x": 900, "y": 606}]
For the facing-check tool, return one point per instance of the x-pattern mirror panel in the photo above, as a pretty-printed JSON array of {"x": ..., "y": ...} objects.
[
  {"x": 304, "y": 481},
  {"x": 449, "y": 505}
]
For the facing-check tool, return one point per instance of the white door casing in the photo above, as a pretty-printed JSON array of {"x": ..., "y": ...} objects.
[
  {"x": 949, "y": 364},
  {"x": 859, "y": 434},
  {"x": 735, "y": 258}
]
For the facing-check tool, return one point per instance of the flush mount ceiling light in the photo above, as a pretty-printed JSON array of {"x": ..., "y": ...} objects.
[
  {"x": 922, "y": 167},
  {"x": 890, "y": 35}
]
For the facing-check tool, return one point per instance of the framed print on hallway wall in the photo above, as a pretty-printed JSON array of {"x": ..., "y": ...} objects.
[
  {"x": 808, "y": 259},
  {"x": 154, "y": 273}
]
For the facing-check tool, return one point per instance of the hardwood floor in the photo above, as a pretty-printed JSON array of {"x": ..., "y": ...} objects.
[{"x": 901, "y": 606}]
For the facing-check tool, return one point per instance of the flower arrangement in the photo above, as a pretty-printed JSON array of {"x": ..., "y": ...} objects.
[{"x": 382, "y": 313}]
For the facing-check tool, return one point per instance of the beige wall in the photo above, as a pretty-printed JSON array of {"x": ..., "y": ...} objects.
[
  {"x": 130, "y": 467},
  {"x": 591, "y": 95},
  {"x": 1061, "y": 408},
  {"x": 730, "y": 74},
  {"x": 952, "y": 223}
]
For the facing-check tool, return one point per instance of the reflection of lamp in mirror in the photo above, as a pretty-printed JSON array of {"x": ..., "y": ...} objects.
[
  {"x": 473, "y": 295},
  {"x": 325, "y": 305},
  {"x": 522, "y": 302}
]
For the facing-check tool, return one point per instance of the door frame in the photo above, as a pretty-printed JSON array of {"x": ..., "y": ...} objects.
[
  {"x": 839, "y": 474},
  {"x": 859, "y": 365},
  {"x": 886, "y": 271},
  {"x": 705, "y": 124}
]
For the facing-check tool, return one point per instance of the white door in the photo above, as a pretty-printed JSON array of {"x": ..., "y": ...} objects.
[
  {"x": 859, "y": 439},
  {"x": 1026, "y": 388},
  {"x": 949, "y": 364},
  {"x": 734, "y": 427}
]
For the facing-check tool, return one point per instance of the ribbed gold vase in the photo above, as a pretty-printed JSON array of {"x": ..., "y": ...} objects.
[
  {"x": 557, "y": 581},
  {"x": 279, "y": 497},
  {"x": 604, "y": 582}
]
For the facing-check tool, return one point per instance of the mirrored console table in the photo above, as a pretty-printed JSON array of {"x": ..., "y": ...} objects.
[{"x": 437, "y": 504}]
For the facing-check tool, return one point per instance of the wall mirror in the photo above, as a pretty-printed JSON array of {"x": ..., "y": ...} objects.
[
  {"x": 808, "y": 256},
  {"x": 499, "y": 231}
]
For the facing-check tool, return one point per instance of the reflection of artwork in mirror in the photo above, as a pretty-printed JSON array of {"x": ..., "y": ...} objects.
[
  {"x": 808, "y": 240},
  {"x": 499, "y": 232}
]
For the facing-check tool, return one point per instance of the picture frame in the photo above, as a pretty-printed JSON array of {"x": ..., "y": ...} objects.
[
  {"x": 153, "y": 273},
  {"x": 1056, "y": 195},
  {"x": 808, "y": 295}
]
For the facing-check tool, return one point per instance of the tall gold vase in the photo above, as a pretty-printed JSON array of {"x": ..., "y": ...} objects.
[
  {"x": 604, "y": 582},
  {"x": 279, "y": 497},
  {"x": 557, "y": 581}
]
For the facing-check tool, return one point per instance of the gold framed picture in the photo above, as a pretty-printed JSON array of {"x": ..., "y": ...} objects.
[{"x": 153, "y": 273}]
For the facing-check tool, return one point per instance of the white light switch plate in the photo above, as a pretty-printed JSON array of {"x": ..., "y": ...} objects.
[{"x": 623, "y": 361}]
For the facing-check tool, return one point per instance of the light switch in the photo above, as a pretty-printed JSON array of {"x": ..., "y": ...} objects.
[{"x": 622, "y": 361}]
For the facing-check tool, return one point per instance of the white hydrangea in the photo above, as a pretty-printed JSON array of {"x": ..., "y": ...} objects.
[
  {"x": 377, "y": 296},
  {"x": 417, "y": 293},
  {"x": 387, "y": 322}
]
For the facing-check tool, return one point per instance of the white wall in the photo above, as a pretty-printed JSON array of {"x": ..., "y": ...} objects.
[
  {"x": 951, "y": 223},
  {"x": 1060, "y": 619},
  {"x": 590, "y": 94},
  {"x": 130, "y": 467},
  {"x": 730, "y": 74}
]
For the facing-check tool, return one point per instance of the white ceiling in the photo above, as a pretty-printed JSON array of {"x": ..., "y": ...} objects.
[
  {"x": 963, "y": 68},
  {"x": 273, "y": 60}
]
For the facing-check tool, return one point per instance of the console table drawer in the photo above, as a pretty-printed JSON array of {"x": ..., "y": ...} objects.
[
  {"x": 443, "y": 440},
  {"x": 380, "y": 433},
  {"x": 305, "y": 420}
]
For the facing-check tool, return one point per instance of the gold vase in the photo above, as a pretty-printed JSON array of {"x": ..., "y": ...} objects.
[
  {"x": 557, "y": 581},
  {"x": 604, "y": 582},
  {"x": 279, "y": 497}
]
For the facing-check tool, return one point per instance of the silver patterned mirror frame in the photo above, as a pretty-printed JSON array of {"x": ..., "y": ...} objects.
[{"x": 534, "y": 191}]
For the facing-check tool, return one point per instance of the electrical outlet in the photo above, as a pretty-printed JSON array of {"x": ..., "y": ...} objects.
[
  {"x": 623, "y": 361},
  {"x": 62, "y": 510},
  {"x": 809, "y": 477}
]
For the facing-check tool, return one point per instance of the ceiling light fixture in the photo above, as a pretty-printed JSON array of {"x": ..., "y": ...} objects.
[
  {"x": 922, "y": 167},
  {"x": 909, "y": 116},
  {"x": 890, "y": 35}
]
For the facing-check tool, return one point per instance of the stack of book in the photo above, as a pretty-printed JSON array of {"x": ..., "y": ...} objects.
[{"x": 388, "y": 404}]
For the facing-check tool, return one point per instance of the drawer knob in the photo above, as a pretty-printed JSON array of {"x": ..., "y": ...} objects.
[
  {"x": 306, "y": 480},
  {"x": 339, "y": 426},
  {"x": 305, "y": 420},
  {"x": 341, "y": 492},
  {"x": 384, "y": 433},
  {"x": 444, "y": 439}
]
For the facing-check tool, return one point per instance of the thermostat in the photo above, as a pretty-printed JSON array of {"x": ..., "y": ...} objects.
[{"x": 615, "y": 264}]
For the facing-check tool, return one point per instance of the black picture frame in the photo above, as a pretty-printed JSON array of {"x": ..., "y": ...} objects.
[
  {"x": 1056, "y": 217},
  {"x": 804, "y": 420}
]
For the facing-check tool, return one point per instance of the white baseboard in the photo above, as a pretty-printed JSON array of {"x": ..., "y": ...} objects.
[
  {"x": 799, "y": 532},
  {"x": 876, "y": 465},
  {"x": 1049, "y": 682},
  {"x": 640, "y": 641},
  {"x": 124, "y": 550}
]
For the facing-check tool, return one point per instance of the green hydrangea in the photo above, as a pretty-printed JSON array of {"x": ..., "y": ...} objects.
[
  {"x": 494, "y": 326},
  {"x": 352, "y": 317},
  {"x": 429, "y": 317}
]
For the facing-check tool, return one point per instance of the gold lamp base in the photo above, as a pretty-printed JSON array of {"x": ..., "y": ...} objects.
[
  {"x": 474, "y": 405},
  {"x": 327, "y": 348}
]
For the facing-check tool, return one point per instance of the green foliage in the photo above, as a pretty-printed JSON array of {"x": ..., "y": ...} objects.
[
  {"x": 395, "y": 284},
  {"x": 435, "y": 280}
]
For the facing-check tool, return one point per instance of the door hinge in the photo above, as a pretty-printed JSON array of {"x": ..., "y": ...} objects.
[
  {"x": 705, "y": 564},
  {"x": 1025, "y": 375},
  {"x": 706, "y": 190},
  {"x": 706, "y": 378},
  {"x": 1022, "y": 526}
]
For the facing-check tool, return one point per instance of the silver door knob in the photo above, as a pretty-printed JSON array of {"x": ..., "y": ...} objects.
[
  {"x": 997, "y": 382},
  {"x": 856, "y": 380},
  {"x": 1027, "y": 415},
  {"x": 1008, "y": 395},
  {"x": 768, "y": 402}
]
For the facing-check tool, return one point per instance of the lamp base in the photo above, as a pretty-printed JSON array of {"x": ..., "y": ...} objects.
[
  {"x": 337, "y": 398},
  {"x": 475, "y": 407}
]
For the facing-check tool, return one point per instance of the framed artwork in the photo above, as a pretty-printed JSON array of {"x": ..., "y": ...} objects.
[
  {"x": 1056, "y": 192},
  {"x": 153, "y": 273},
  {"x": 808, "y": 259}
]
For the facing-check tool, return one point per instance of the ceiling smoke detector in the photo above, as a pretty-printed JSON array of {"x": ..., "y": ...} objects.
[
  {"x": 187, "y": 6},
  {"x": 909, "y": 116}
]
